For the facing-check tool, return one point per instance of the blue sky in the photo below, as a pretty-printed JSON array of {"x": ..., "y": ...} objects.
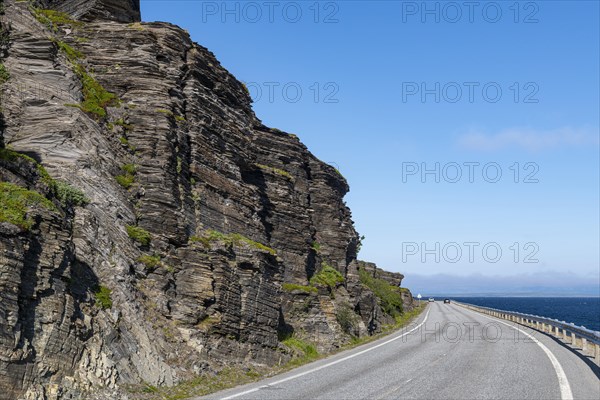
[{"x": 363, "y": 67}]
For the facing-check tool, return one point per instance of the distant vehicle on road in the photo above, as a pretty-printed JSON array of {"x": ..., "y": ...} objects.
[
  {"x": 446, "y": 301},
  {"x": 431, "y": 299}
]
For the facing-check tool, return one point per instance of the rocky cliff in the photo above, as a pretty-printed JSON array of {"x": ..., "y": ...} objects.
[{"x": 151, "y": 227}]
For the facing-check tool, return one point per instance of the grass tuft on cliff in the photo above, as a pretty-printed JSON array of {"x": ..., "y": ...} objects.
[
  {"x": 316, "y": 246},
  {"x": 68, "y": 195},
  {"x": 103, "y": 297},
  {"x": 64, "y": 192},
  {"x": 11, "y": 155},
  {"x": 139, "y": 235},
  {"x": 53, "y": 19},
  {"x": 230, "y": 239},
  {"x": 15, "y": 202},
  {"x": 4, "y": 74},
  {"x": 151, "y": 262},
  {"x": 128, "y": 178},
  {"x": 390, "y": 295},
  {"x": 292, "y": 287},
  {"x": 327, "y": 276},
  {"x": 276, "y": 171},
  {"x": 307, "y": 351},
  {"x": 95, "y": 97}
]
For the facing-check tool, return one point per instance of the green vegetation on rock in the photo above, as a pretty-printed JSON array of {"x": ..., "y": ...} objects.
[
  {"x": 11, "y": 155},
  {"x": 72, "y": 55},
  {"x": 15, "y": 202},
  {"x": 64, "y": 192},
  {"x": 121, "y": 122},
  {"x": 138, "y": 234},
  {"x": 69, "y": 195},
  {"x": 128, "y": 178},
  {"x": 231, "y": 239},
  {"x": 307, "y": 351},
  {"x": 327, "y": 276},
  {"x": 125, "y": 180},
  {"x": 390, "y": 295},
  {"x": 103, "y": 297},
  {"x": 53, "y": 19},
  {"x": 95, "y": 97},
  {"x": 151, "y": 262},
  {"x": 347, "y": 319},
  {"x": 276, "y": 171},
  {"x": 291, "y": 287},
  {"x": 4, "y": 74}
]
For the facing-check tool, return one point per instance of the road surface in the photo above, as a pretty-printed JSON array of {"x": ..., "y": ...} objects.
[{"x": 449, "y": 352}]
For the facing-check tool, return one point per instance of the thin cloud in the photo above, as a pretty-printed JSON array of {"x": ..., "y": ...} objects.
[
  {"x": 530, "y": 139},
  {"x": 542, "y": 283}
]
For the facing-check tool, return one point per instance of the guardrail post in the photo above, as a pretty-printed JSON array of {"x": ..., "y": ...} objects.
[
  {"x": 537, "y": 325},
  {"x": 597, "y": 354},
  {"x": 573, "y": 340},
  {"x": 557, "y": 332},
  {"x": 564, "y": 334},
  {"x": 583, "y": 345}
]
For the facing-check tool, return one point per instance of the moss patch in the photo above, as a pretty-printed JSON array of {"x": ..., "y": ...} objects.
[
  {"x": 151, "y": 262},
  {"x": 128, "y": 178},
  {"x": 103, "y": 297},
  {"x": 15, "y": 202},
  {"x": 139, "y": 235}
]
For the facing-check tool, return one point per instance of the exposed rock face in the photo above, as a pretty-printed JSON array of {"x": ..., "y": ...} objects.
[
  {"x": 114, "y": 10},
  {"x": 234, "y": 211}
]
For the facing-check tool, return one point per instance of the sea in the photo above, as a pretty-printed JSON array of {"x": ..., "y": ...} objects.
[{"x": 582, "y": 311}]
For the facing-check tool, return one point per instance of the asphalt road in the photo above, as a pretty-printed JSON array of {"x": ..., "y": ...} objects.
[{"x": 449, "y": 352}]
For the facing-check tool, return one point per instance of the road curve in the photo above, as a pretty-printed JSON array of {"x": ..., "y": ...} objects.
[{"x": 449, "y": 352}]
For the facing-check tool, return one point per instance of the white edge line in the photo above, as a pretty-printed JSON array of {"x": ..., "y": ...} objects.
[
  {"x": 289, "y": 378},
  {"x": 563, "y": 382}
]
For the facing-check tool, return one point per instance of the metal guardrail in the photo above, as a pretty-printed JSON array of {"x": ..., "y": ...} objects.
[{"x": 587, "y": 339}]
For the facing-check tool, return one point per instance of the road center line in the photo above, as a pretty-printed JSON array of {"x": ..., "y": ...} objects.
[
  {"x": 289, "y": 378},
  {"x": 563, "y": 382}
]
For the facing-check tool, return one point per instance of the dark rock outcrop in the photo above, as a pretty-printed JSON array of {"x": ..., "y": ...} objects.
[
  {"x": 113, "y": 10},
  {"x": 202, "y": 227}
]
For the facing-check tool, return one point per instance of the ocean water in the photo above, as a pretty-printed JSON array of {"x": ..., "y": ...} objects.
[{"x": 582, "y": 311}]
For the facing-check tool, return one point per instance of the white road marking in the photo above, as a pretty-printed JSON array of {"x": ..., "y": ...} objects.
[
  {"x": 233, "y": 396},
  {"x": 563, "y": 382}
]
